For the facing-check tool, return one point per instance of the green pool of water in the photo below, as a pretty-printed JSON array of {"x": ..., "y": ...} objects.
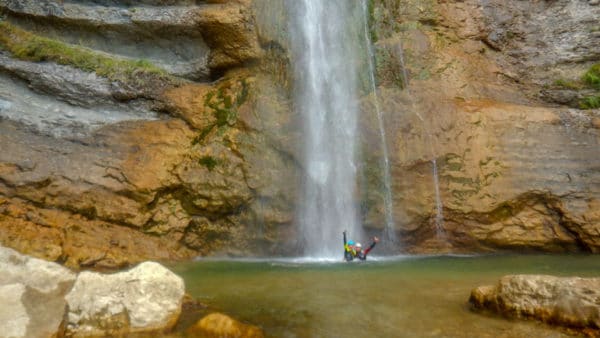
[{"x": 398, "y": 297}]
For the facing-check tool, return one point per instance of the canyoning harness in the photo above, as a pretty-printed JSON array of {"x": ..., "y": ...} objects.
[{"x": 349, "y": 252}]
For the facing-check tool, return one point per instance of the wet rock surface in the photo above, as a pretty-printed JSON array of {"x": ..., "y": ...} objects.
[
  {"x": 127, "y": 181},
  {"x": 102, "y": 173},
  {"x": 220, "y": 325},
  {"x": 513, "y": 171},
  {"x": 563, "y": 301}
]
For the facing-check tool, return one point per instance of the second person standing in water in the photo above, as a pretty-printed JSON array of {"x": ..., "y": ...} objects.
[{"x": 354, "y": 250}]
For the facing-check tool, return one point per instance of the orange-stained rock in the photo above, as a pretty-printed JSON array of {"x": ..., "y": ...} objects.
[
  {"x": 220, "y": 325},
  {"x": 188, "y": 102},
  {"x": 229, "y": 30},
  {"x": 89, "y": 205},
  {"x": 58, "y": 235}
]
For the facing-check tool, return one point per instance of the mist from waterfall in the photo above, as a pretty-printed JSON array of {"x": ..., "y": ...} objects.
[{"x": 325, "y": 54}]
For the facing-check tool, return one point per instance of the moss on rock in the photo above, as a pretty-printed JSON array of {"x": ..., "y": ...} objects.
[
  {"x": 592, "y": 76},
  {"x": 590, "y": 102},
  {"x": 223, "y": 103},
  {"x": 30, "y": 47}
]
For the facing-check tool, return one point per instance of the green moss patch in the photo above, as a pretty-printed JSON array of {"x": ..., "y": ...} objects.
[
  {"x": 590, "y": 102},
  {"x": 30, "y": 47},
  {"x": 589, "y": 80},
  {"x": 223, "y": 104},
  {"x": 209, "y": 162},
  {"x": 592, "y": 76},
  {"x": 567, "y": 84}
]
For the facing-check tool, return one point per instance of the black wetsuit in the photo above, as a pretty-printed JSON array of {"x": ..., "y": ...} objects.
[{"x": 362, "y": 255}]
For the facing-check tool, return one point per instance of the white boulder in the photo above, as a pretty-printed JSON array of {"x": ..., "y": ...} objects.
[
  {"x": 31, "y": 295},
  {"x": 13, "y": 315},
  {"x": 146, "y": 298}
]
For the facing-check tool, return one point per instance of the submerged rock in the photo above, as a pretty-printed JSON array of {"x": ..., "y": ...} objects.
[
  {"x": 145, "y": 298},
  {"x": 220, "y": 325},
  {"x": 31, "y": 295},
  {"x": 565, "y": 301}
]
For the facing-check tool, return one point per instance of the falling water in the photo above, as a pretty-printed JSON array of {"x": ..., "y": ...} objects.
[
  {"x": 387, "y": 181},
  {"x": 439, "y": 207},
  {"x": 324, "y": 52},
  {"x": 439, "y": 211}
]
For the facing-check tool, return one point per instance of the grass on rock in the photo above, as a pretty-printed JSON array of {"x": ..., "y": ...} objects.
[
  {"x": 592, "y": 76},
  {"x": 30, "y": 47}
]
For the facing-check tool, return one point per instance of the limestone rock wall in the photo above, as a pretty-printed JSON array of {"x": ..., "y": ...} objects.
[
  {"x": 516, "y": 171},
  {"x": 116, "y": 148},
  {"x": 135, "y": 130}
]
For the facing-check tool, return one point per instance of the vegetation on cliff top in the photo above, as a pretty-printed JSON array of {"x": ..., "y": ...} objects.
[{"x": 30, "y": 47}]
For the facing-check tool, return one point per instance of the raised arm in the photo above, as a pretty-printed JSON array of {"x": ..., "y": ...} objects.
[
  {"x": 375, "y": 241},
  {"x": 344, "y": 237}
]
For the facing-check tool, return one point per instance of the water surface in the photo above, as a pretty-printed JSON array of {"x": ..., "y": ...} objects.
[{"x": 392, "y": 297}]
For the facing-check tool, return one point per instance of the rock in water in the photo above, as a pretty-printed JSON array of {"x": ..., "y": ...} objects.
[
  {"x": 220, "y": 325},
  {"x": 145, "y": 298},
  {"x": 566, "y": 301},
  {"x": 31, "y": 295}
]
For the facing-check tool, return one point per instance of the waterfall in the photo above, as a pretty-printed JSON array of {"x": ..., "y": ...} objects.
[
  {"x": 325, "y": 51},
  {"x": 387, "y": 180}
]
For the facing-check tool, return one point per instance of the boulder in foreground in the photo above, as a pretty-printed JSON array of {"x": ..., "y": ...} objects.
[
  {"x": 565, "y": 301},
  {"x": 145, "y": 298},
  {"x": 31, "y": 295}
]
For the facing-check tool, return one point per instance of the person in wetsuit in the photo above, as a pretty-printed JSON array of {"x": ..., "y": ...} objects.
[{"x": 354, "y": 250}]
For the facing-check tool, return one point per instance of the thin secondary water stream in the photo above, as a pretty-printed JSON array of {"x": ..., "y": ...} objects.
[
  {"x": 390, "y": 232},
  {"x": 392, "y": 297}
]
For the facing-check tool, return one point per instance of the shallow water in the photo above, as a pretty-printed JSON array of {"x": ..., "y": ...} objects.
[{"x": 392, "y": 297}]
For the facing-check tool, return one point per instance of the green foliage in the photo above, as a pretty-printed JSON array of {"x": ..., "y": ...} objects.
[
  {"x": 567, "y": 84},
  {"x": 590, "y": 102},
  {"x": 223, "y": 103},
  {"x": 589, "y": 80},
  {"x": 592, "y": 76},
  {"x": 27, "y": 46},
  {"x": 209, "y": 162},
  {"x": 223, "y": 106}
]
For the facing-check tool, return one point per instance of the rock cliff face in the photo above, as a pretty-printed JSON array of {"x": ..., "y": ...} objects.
[
  {"x": 111, "y": 155},
  {"x": 516, "y": 170},
  {"x": 164, "y": 129}
]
